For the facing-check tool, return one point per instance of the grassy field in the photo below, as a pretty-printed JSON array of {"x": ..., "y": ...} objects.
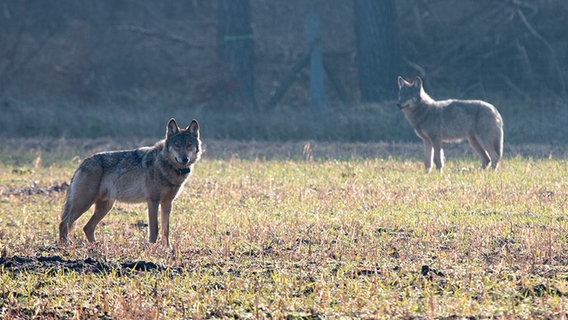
[{"x": 296, "y": 230}]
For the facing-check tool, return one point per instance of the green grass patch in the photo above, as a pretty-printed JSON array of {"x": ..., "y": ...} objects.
[{"x": 297, "y": 231}]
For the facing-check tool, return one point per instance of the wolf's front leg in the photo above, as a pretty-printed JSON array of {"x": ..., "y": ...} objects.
[
  {"x": 166, "y": 207},
  {"x": 428, "y": 153},
  {"x": 439, "y": 157},
  {"x": 152, "y": 220}
]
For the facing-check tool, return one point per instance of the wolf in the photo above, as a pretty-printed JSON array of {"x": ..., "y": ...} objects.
[
  {"x": 153, "y": 175},
  {"x": 436, "y": 122}
]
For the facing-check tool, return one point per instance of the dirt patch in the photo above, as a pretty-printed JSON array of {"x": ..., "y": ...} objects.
[
  {"x": 33, "y": 189},
  {"x": 56, "y": 264}
]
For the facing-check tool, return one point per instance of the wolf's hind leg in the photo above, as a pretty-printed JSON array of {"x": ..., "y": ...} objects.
[
  {"x": 474, "y": 142},
  {"x": 81, "y": 195},
  {"x": 102, "y": 207},
  {"x": 496, "y": 153},
  {"x": 79, "y": 200},
  {"x": 494, "y": 147},
  {"x": 71, "y": 212}
]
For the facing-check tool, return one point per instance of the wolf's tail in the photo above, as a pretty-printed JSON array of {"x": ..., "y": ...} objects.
[
  {"x": 498, "y": 143},
  {"x": 65, "y": 224}
]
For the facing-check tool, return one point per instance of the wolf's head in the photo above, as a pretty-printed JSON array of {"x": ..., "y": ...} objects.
[
  {"x": 183, "y": 146},
  {"x": 409, "y": 93}
]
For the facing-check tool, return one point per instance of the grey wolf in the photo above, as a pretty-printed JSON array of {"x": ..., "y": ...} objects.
[
  {"x": 149, "y": 174},
  {"x": 436, "y": 122}
]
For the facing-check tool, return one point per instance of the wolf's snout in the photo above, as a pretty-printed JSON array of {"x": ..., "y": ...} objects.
[{"x": 183, "y": 160}]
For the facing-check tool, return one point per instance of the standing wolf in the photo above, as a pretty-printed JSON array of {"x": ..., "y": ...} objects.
[
  {"x": 451, "y": 120},
  {"x": 152, "y": 174}
]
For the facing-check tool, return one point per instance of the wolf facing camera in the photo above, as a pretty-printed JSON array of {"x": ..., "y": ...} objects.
[{"x": 153, "y": 175}]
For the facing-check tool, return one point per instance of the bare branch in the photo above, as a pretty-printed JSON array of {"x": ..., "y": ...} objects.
[
  {"x": 554, "y": 60},
  {"x": 162, "y": 36}
]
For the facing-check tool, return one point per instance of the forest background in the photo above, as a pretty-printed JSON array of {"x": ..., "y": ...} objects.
[{"x": 246, "y": 69}]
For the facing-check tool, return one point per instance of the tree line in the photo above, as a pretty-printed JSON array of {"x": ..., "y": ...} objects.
[{"x": 257, "y": 55}]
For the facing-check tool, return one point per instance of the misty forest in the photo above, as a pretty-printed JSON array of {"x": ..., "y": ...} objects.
[{"x": 276, "y": 70}]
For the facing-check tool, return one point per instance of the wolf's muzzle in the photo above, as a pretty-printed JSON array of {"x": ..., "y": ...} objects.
[{"x": 182, "y": 160}]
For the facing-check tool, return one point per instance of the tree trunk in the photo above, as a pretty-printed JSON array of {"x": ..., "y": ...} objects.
[
  {"x": 236, "y": 48},
  {"x": 378, "y": 50},
  {"x": 317, "y": 91}
]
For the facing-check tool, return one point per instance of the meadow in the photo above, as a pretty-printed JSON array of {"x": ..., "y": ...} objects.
[{"x": 299, "y": 230}]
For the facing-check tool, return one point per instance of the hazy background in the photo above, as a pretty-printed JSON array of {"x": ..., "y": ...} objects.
[{"x": 111, "y": 68}]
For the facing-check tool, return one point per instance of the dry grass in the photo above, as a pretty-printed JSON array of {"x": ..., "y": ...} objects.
[
  {"x": 318, "y": 231},
  {"x": 525, "y": 122}
]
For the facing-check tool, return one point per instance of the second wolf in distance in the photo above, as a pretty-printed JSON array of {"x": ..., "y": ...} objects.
[{"x": 441, "y": 121}]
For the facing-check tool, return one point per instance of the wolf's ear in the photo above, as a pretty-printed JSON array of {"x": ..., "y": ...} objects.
[
  {"x": 172, "y": 128},
  {"x": 417, "y": 82},
  {"x": 401, "y": 82},
  {"x": 193, "y": 128}
]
